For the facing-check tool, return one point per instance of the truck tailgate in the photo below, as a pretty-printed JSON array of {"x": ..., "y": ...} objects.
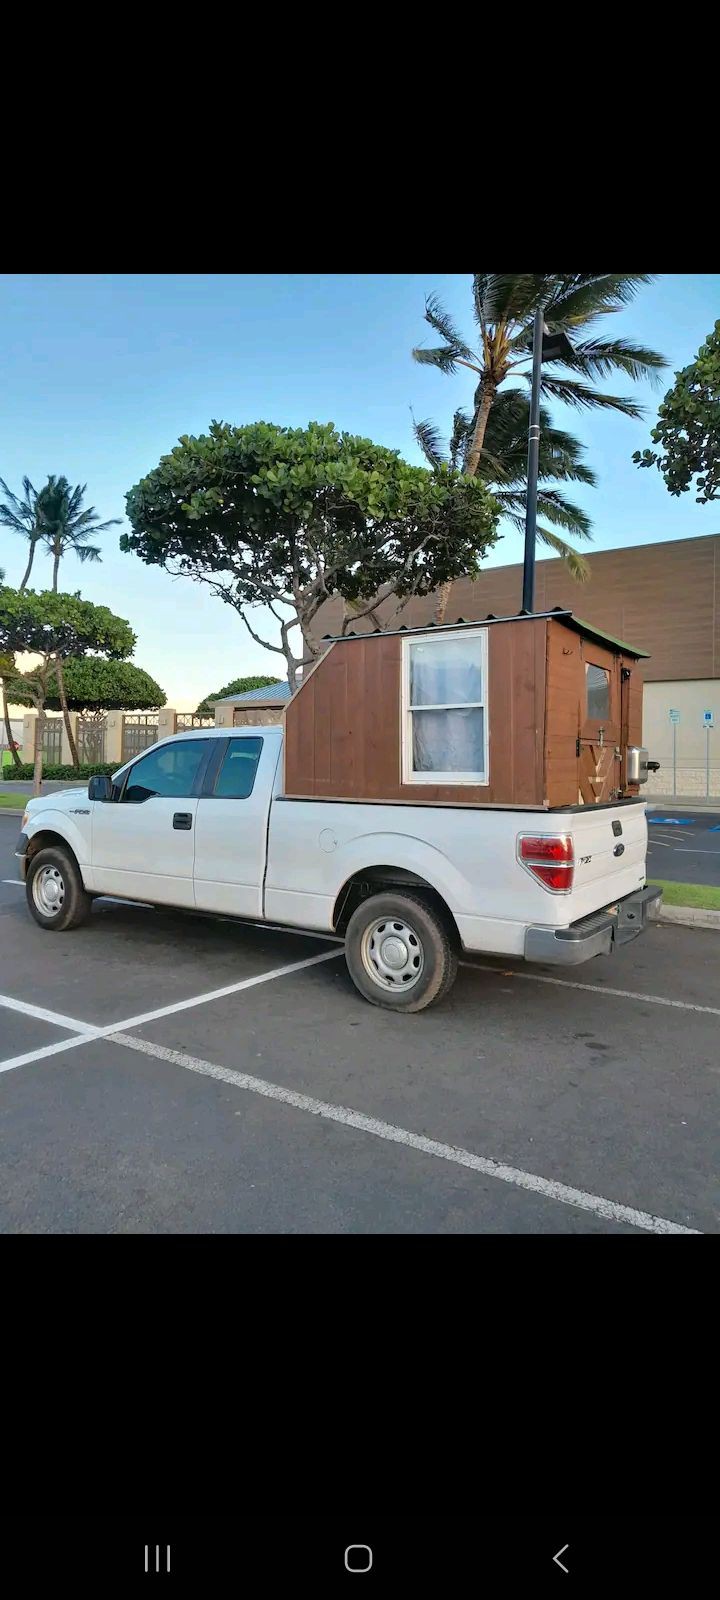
[{"x": 610, "y": 850}]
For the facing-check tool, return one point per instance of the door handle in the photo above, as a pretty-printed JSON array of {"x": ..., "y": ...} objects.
[{"x": 183, "y": 820}]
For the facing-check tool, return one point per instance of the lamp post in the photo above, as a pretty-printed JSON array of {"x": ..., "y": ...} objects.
[{"x": 549, "y": 347}]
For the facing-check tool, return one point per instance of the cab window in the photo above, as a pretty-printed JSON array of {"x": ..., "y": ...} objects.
[
  {"x": 168, "y": 772},
  {"x": 236, "y": 777}
]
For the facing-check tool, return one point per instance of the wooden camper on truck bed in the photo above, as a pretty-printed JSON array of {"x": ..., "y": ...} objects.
[{"x": 537, "y": 711}]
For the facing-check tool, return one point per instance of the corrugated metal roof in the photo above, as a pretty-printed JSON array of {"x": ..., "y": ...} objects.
[
  {"x": 269, "y": 694},
  {"x": 557, "y": 614}
]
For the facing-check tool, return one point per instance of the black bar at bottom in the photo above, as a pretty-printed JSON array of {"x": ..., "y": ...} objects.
[{"x": 370, "y": 1553}]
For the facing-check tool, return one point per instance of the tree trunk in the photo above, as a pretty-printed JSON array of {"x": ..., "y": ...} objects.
[
  {"x": 28, "y": 569},
  {"x": 8, "y": 729},
  {"x": 443, "y": 595},
  {"x": 40, "y": 721},
  {"x": 487, "y": 395},
  {"x": 65, "y": 711},
  {"x": 472, "y": 462},
  {"x": 56, "y": 566}
]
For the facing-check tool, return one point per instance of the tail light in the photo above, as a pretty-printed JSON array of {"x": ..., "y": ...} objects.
[{"x": 550, "y": 857}]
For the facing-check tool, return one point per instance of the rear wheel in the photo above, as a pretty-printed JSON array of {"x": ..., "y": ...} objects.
[
  {"x": 399, "y": 953},
  {"x": 54, "y": 889}
]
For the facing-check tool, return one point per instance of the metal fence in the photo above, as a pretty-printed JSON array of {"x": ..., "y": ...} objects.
[
  {"x": 190, "y": 719},
  {"x": 138, "y": 734},
  {"x": 91, "y": 739},
  {"x": 52, "y": 740}
]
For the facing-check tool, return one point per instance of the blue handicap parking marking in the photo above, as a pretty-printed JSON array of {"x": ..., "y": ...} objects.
[
  {"x": 676, "y": 822},
  {"x": 715, "y": 828}
]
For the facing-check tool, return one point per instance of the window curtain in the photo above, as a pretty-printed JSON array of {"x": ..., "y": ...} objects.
[{"x": 448, "y": 741}]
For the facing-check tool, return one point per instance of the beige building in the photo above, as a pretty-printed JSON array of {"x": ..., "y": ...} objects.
[{"x": 254, "y": 709}]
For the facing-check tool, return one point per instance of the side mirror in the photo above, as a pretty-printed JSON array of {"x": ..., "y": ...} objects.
[{"x": 100, "y": 787}]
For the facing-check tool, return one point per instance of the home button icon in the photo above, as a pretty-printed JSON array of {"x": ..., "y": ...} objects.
[{"x": 358, "y": 1558}]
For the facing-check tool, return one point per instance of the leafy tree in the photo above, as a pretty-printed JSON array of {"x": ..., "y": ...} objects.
[
  {"x": 688, "y": 427},
  {"x": 56, "y": 628},
  {"x": 504, "y": 305},
  {"x": 94, "y": 686},
  {"x": 286, "y": 517},
  {"x": 238, "y": 686}
]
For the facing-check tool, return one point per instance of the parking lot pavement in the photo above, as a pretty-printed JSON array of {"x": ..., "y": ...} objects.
[
  {"x": 684, "y": 846},
  {"x": 528, "y": 1102}
]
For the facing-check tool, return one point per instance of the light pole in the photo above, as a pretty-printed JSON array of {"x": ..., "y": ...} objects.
[{"x": 549, "y": 347}]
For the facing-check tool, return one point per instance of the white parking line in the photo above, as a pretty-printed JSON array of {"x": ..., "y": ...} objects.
[
  {"x": 87, "y": 1031},
  {"x": 48, "y": 1050},
  {"x": 43, "y": 1015},
  {"x": 608, "y": 1210},
  {"x": 15, "y": 882},
  {"x": 594, "y": 988}
]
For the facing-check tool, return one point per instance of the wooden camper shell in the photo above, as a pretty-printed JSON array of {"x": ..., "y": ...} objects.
[{"x": 344, "y": 726}]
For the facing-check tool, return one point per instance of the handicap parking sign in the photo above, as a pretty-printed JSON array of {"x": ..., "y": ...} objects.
[{"x": 708, "y": 719}]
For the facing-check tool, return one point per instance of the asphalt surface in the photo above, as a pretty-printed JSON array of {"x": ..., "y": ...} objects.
[
  {"x": 684, "y": 846},
  {"x": 290, "y": 1105}
]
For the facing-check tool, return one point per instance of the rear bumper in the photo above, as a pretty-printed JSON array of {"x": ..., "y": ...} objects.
[{"x": 594, "y": 935}]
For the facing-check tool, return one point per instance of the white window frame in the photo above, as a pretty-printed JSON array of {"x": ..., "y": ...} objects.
[{"x": 477, "y": 779}]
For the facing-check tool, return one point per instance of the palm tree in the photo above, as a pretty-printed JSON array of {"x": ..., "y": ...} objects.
[
  {"x": 66, "y": 526},
  {"x": 22, "y": 517},
  {"x": 504, "y": 306}
]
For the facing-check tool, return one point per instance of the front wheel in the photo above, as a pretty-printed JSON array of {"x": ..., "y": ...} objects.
[
  {"x": 55, "y": 892},
  {"x": 398, "y": 953}
]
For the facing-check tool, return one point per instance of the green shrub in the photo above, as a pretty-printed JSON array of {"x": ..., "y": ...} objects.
[{"x": 55, "y": 771}]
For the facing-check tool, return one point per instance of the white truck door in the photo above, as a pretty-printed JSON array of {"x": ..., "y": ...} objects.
[
  {"x": 143, "y": 842},
  {"x": 232, "y": 825}
]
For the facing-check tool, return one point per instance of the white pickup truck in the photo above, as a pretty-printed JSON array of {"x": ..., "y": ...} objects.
[{"x": 199, "y": 822}]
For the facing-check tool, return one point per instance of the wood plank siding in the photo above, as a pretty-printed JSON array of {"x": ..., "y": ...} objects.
[{"x": 343, "y": 727}]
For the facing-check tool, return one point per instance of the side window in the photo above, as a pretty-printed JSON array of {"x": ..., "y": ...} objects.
[
  {"x": 597, "y": 683},
  {"x": 168, "y": 772},
  {"x": 236, "y": 777},
  {"x": 445, "y": 735}
]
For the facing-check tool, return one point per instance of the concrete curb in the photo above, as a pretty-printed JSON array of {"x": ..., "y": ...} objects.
[{"x": 689, "y": 917}]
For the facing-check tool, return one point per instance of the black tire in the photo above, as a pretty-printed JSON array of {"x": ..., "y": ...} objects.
[
  {"x": 375, "y": 959},
  {"x": 54, "y": 866}
]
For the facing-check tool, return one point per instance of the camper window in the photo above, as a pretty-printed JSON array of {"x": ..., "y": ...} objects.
[
  {"x": 445, "y": 708},
  {"x": 597, "y": 682}
]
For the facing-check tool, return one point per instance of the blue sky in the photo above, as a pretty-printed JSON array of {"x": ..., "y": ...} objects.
[{"x": 102, "y": 373}]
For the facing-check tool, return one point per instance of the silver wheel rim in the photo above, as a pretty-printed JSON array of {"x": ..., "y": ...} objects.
[
  {"x": 392, "y": 954},
  {"x": 49, "y": 891}
]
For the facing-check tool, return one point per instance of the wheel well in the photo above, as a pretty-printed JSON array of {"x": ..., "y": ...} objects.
[
  {"x": 40, "y": 841},
  {"x": 372, "y": 880}
]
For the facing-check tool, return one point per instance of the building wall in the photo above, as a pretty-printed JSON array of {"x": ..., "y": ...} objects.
[
  {"x": 663, "y": 598},
  {"x": 264, "y": 717},
  {"x": 692, "y": 743}
]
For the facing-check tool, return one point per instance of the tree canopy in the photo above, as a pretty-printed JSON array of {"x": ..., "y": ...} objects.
[
  {"x": 51, "y": 624},
  {"x": 491, "y": 443},
  {"x": 55, "y": 628},
  {"x": 94, "y": 685},
  {"x": 688, "y": 427},
  {"x": 237, "y": 686},
  {"x": 286, "y": 517}
]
